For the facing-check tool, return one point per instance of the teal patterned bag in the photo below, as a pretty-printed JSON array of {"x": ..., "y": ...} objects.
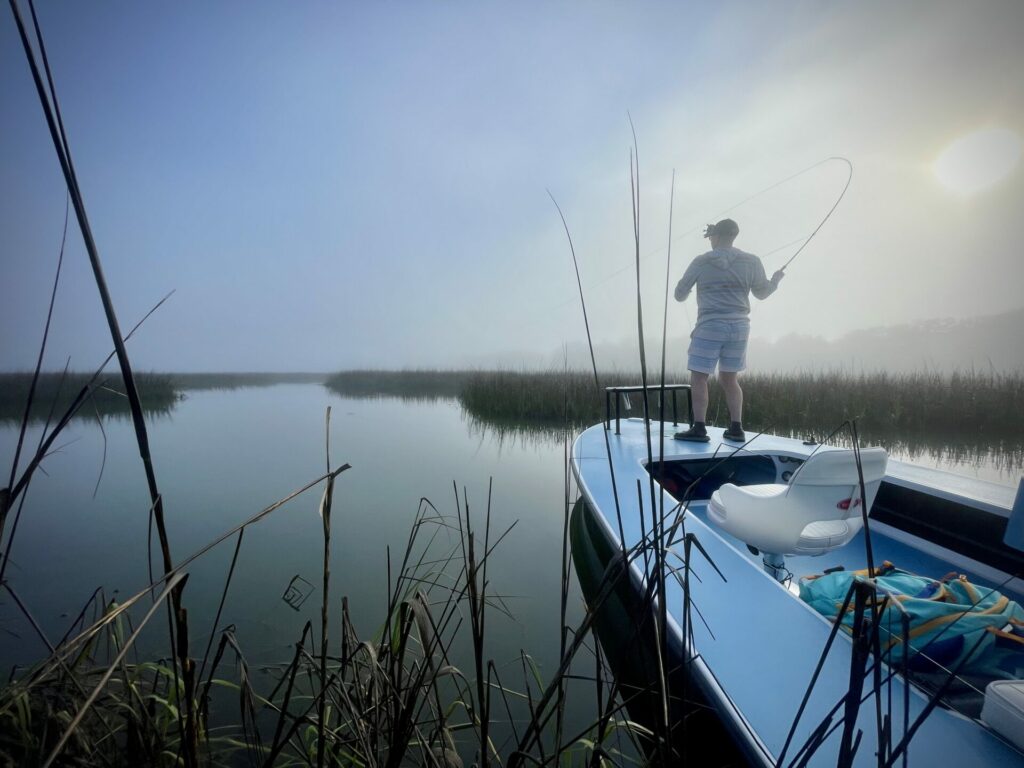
[{"x": 954, "y": 624}]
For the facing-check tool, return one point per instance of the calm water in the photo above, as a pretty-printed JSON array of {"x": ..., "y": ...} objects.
[{"x": 223, "y": 455}]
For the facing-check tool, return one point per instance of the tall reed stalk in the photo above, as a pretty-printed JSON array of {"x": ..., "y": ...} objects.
[{"x": 178, "y": 620}]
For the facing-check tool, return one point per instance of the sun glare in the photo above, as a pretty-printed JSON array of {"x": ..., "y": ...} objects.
[{"x": 978, "y": 160}]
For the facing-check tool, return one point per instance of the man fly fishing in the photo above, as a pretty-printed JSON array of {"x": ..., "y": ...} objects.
[{"x": 725, "y": 277}]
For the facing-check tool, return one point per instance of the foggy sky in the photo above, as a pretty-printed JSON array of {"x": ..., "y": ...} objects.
[{"x": 342, "y": 185}]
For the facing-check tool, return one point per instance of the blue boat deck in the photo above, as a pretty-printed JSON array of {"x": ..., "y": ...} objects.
[{"x": 761, "y": 643}]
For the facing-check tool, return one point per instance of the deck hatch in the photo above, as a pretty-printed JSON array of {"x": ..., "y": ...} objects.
[{"x": 738, "y": 470}]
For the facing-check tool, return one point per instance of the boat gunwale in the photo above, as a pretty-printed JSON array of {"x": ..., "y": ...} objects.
[{"x": 724, "y": 699}]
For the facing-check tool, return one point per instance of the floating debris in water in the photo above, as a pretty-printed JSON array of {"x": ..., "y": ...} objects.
[{"x": 297, "y": 591}]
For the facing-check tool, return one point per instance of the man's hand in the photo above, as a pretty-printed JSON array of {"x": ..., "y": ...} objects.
[{"x": 779, "y": 274}]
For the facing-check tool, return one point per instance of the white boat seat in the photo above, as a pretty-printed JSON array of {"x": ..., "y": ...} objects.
[
  {"x": 826, "y": 535},
  {"x": 818, "y": 511},
  {"x": 1003, "y": 710}
]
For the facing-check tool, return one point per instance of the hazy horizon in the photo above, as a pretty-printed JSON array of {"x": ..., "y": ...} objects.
[
  {"x": 985, "y": 342},
  {"x": 331, "y": 187}
]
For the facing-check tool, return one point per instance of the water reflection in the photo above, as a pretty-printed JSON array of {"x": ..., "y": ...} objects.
[
  {"x": 517, "y": 434},
  {"x": 1003, "y": 459},
  {"x": 54, "y": 393},
  {"x": 223, "y": 455},
  {"x": 115, "y": 412},
  {"x": 997, "y": 459}
]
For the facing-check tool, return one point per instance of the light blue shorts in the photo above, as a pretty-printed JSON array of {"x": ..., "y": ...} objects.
[{"x": 721, "y": 343}]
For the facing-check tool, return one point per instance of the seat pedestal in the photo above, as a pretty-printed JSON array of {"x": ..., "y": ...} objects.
[{"x": 775, "y": 566}]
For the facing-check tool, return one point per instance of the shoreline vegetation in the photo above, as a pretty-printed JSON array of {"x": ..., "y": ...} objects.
[
  {"x": 968, "y": 417},
  {"x": 55, "y": 392},
  {"x": 969, "y": 407},
  {"x": 389, "y": 697},
  {"x": 158, "y": 392}
]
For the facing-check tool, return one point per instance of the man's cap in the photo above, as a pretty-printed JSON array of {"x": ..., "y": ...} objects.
[{"x": 724, "y": 228}]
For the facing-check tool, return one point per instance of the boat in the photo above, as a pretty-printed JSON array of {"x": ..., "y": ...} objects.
[{"x": 714, "y": 635}]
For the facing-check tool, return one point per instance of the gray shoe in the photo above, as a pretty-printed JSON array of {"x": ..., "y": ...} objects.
[
  {"x": 694, "y": 435},
  {"x": 736, "y": 435}
]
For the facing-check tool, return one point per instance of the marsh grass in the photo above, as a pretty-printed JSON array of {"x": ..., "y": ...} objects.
[
  {"x": 184, "y": 382},
  {"x": 528, "y": 397},
  {"x": 976, "y": 405},
  {"x": 514, "y": 398},
  {"x": 158, "y": 392},
  {"x": 421, "y": 689},
  {"x": 56, "y": 392},
  {"x": 968, "y": 412},
  {"x": 135, "y": 710},
  {"x": 411, "y": 384}
]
